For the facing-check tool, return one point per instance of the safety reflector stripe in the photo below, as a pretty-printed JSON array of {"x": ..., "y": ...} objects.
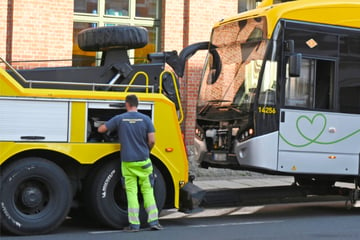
[
  {"x": 133, "y": 210},
  {"x": 134, "y": 219},
  {"x": 152, "y": 217},
  {"x": 151, "y": 208},
  {"x": 152, "y": 213}
]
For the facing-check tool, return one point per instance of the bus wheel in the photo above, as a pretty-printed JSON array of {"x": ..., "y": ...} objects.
[
  {"x": 35, "y": 196},
  {"x": 106, "y": 198}
]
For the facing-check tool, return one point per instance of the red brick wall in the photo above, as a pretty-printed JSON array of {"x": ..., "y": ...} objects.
[
  {"x": 3, "y": 27},
  {"x": 40, "y": 30},
  {"x": 186, "y": 22},
  {"x": 172, "y": 29}
]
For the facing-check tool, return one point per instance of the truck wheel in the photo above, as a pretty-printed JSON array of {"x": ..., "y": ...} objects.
[
  {"x": 102, "y": 38},
  {"x": 35, "y": 196},
  {"x": 106, "y": 198}
]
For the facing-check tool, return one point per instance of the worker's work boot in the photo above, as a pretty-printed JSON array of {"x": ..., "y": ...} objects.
[{"x": 156, "y": 227}]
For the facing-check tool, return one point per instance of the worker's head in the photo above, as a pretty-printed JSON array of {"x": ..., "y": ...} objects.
[{"x": 131, "y": 102}]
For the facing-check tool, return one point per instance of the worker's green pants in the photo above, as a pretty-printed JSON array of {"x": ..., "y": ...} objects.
[{"x": 141, "y": 173}]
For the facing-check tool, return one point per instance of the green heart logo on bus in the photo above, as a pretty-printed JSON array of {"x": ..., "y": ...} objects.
[{"x": 311, "y": 129}]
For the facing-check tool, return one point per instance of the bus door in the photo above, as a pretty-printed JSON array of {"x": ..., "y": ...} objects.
[{"x": 313, "y": 137}]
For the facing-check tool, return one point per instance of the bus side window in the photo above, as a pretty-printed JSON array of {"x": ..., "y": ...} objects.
[
  {"x": 349, "y": 74},
  {"x": 350, "y": 99},
  {"x": 299, "y": 91},
  {"x": 314, "y": 88},
  {"x": 324, "y": 84}
]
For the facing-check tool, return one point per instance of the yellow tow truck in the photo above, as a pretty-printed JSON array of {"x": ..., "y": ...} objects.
[{"x": 52, "y": 158}]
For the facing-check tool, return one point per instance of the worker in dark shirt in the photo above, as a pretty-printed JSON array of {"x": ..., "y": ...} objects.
[{"x": 137, "y": 137}]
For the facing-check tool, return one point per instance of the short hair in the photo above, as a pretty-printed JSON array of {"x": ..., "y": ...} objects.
[{"x": 132, "y": 100}]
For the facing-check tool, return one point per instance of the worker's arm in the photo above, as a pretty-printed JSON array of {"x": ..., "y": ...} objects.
[
  {"x": 102, "y": 129},
  {"x": 151, "y": 140}
]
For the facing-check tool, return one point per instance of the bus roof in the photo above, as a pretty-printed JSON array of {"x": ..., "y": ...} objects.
[{"x": 340, "y": 12}]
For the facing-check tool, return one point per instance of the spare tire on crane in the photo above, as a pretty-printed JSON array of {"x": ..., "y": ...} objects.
[{"x": 104, "y": 38}]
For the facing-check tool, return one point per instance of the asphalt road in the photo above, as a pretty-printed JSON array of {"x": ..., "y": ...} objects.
[{"x": 287, "y": 221}]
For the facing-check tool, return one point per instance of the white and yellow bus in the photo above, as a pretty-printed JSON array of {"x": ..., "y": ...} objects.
[{"x": 280, "y": 92}]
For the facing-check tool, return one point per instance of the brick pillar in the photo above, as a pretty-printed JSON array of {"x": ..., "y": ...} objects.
[
  {"x": 5, "y": 16},
  {"x": 172, "y": 25}
]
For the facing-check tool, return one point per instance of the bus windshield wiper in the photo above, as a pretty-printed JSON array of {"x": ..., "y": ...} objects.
[
  {"x": 207, "y": 107},
  {"x": 218, "y": 101},
  {"x": 204, "y": 109}
]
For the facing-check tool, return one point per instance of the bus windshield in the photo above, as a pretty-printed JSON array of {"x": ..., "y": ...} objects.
[{"x": 236, "y": 54}]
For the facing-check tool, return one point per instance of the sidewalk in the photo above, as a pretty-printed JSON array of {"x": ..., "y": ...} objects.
[
  {"x": 244, "y": 182},
  {"x": 213, "y": 178},
  {"x": 252, "y": 182},
  {"x": 226, "y": 182}
]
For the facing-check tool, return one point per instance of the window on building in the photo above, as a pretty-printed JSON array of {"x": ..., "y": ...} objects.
[
  {"x": 117, "y": 7},
  {"x": 246, "y": 5},
  {"x": 80, "y": 57},
  {"x": 93, "y": 13},
  {"x": 86, "y": 6},
  {"x": 146, "y": 8}
]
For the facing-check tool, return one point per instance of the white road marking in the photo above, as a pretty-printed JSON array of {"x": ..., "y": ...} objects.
[
  {"x": 174, "y": 214},
  {"x": 233, "y": 224},
  {"x": 103, "y": 232},
  {"x": 247, "y": 210},
  {"x": 203, "y": 226},
  {"x": 212, "y": 212}
]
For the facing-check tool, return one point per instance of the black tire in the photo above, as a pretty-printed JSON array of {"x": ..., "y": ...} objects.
[
  {"x": 102, "y": 38},
  {"x": 106, "y": 198},
  {"x": 35, "y": 196}
]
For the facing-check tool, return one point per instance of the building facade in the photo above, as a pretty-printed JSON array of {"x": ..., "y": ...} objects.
[{"x": 41, "y": 33}]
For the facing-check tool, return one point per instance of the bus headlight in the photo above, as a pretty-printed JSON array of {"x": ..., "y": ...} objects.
[
  {"x": 251, "y": 131},
  {"x": 199, "y": 134},
  {"x": 247, "y": 134}
]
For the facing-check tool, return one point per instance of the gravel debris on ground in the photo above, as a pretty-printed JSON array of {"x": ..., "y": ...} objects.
[{"x": 218, "y": 173}]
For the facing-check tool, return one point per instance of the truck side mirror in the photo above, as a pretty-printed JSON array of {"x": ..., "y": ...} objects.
[{"x": 295, "y": 64}]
